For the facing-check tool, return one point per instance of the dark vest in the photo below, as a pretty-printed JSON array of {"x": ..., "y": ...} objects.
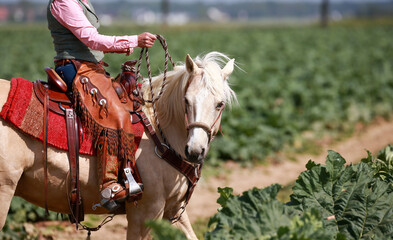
[{"x": 67, "y": 46}]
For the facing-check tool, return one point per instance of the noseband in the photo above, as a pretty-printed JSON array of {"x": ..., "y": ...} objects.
[{"x": 206, "y": 127}]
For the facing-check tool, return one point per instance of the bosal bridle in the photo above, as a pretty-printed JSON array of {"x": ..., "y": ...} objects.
[{"x": 206, "y": 127}]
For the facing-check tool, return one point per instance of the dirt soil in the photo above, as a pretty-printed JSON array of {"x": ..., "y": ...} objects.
[{"x": 203, "y": 203}]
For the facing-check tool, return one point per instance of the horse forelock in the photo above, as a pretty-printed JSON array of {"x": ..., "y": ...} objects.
[{"x": 212, "y": 64}]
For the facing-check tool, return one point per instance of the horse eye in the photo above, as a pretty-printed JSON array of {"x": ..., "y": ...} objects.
[
  {"x": 220, "y": 105},
  {"x": 186, "y": 102}
]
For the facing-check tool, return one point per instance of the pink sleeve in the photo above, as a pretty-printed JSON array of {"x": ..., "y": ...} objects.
[{"x": 70, "y": 14}]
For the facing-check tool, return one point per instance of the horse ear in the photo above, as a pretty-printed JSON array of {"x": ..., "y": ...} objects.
[
  {"x": 190, "y": 65},
  {"x": 228, "y": 69}
]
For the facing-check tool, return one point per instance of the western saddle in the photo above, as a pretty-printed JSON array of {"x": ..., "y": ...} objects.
[{"x": 54, "y": 97}]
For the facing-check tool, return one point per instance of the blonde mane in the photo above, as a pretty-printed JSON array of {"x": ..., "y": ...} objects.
[{"x": 170, "y": 106}]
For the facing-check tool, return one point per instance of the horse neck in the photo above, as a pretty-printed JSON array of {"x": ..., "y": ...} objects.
[
  {"x": 176, "y": 138},
  {"x": 170, "y": 113}
]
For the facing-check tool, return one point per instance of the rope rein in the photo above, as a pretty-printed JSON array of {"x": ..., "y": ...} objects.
[
  {"x": 153, "y": 101},
  {"x": 145, "y": 51}
]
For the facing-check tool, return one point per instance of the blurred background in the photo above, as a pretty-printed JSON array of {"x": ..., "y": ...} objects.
[
  {"x": 180, "y": 12},
  {"x": 312, "y": 73}
]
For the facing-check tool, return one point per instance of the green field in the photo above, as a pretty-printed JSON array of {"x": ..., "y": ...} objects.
[{"x": 294, "y": 80}]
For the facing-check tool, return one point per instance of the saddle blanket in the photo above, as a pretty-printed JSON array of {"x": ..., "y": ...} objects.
[{"x": 23, "y": 110}]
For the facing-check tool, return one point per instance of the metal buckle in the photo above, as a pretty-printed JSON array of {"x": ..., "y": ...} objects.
[{"x": 155, "y": 149}]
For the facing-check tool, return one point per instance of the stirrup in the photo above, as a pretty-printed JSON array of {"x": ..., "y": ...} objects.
[{"x": 131, "y": 184}]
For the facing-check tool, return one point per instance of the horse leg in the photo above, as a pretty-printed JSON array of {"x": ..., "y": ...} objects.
[
  {"x": 137, "y": 215},
  {"x": 8, "y": 182},
  {"x": 184, "y": 224}
]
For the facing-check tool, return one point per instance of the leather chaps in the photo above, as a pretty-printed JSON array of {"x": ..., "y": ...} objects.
[{"x": 105, "y": 119}]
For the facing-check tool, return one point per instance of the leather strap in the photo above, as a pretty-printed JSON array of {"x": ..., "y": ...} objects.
[
  {"x": 192, "y": 173},
  {"x": 149, "y": 127},
  {"x": 188, "y": 170},
  {"x": 73, "y": 151},
  {"x": 45, "y": 140}
]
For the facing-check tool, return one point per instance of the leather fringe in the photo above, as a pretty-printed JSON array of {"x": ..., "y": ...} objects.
[
  {"x": 120, "y": 143},
  {"x": 126, "y": 141}
]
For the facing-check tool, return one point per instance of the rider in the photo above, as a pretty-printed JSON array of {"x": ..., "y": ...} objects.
[{"x": 80, "y": 49}]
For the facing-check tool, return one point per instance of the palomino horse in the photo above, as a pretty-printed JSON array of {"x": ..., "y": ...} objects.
[{"x": 199, "y": 87}]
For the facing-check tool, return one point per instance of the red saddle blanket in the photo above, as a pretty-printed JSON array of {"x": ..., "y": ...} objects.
[{"x": 26, "y": 112}]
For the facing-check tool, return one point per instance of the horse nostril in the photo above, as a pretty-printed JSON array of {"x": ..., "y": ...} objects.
[
  {"x": 186, "y": 151},
  {"x": 203, "y": 152}
]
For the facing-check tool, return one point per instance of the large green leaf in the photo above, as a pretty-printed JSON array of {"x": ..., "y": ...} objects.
[
  {"x": 359, "y": 204},
  {"x": 255, "y": 213},
  {"x": 258, "y": 215},
  {"x": 382, "y": 164},
  {"x": 306, "y": 226}
]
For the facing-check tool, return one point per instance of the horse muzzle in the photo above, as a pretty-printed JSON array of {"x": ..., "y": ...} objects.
[{"x": 195, "y": 153}]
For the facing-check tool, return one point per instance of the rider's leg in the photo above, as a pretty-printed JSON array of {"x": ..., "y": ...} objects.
[
  {"x": 109, "y": 125},
  {"x": 67, "y": 72}
]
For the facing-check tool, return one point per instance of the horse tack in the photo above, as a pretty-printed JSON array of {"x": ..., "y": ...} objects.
[
  {"x": 55, "y": 99},
  {"x": 59, "y": 103},
  {"x": 77, "y": 212},
  {"x": 169, "y": 155},
  {"x": 45, "y": 140},
  {"x": 191, "y": 172},
  {"x": 206, "y": 127},
  {"x": 58, "y": 98},
  {"x": 127, "y": 88}
]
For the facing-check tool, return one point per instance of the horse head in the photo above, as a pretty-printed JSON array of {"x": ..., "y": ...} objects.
[
  {"x": 193, "y": 98},
  {"x": 206, "y": 93}
]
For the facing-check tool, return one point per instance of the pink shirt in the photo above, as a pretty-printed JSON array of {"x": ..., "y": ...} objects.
[{"x": 70, "y": 14}]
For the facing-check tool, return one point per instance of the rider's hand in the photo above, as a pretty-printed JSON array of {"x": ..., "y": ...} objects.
[{"x": 146, "y": 40}]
